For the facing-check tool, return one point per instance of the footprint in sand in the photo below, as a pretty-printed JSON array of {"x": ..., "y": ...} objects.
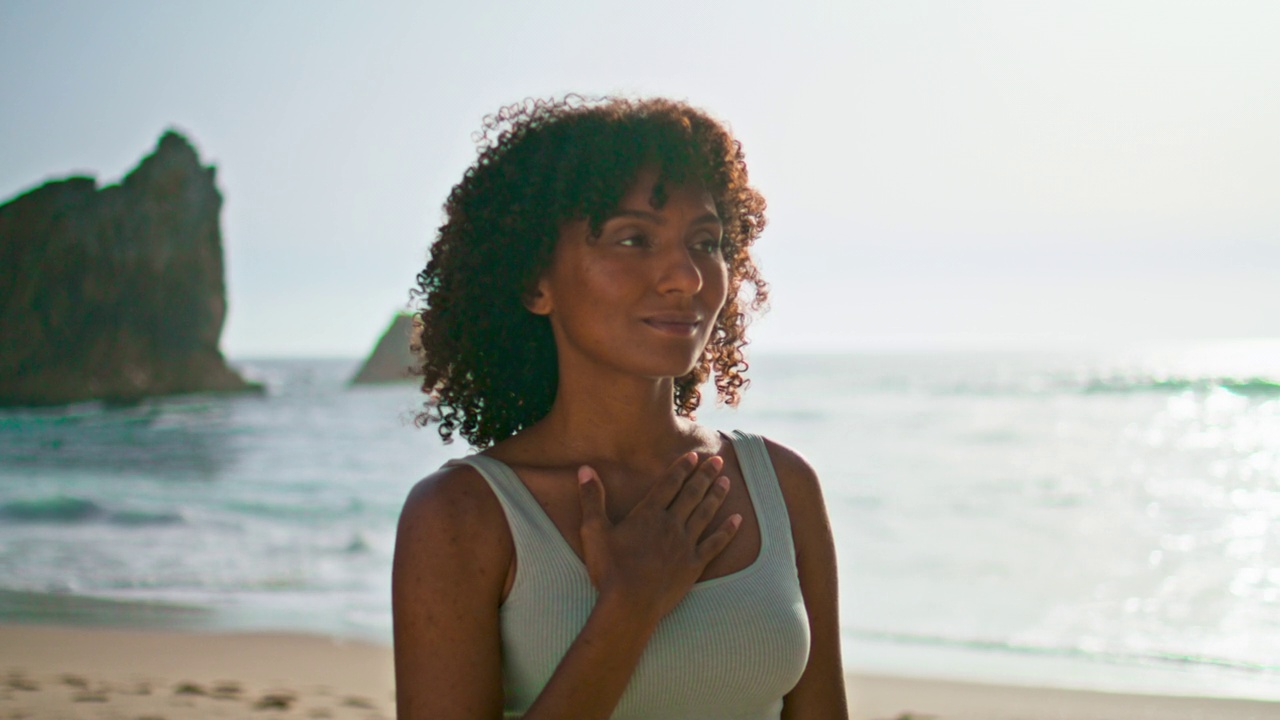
[
  {"x": 189, "y": 688},
  {"x": 21, "y": 682},
  {"x": 359, "y": 702},
  {"x": 275, "y": 701},
  {"x": 227, "y": 690}
]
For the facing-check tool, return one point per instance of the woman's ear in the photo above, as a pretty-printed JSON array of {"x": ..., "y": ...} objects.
[{"x": 537, "y": 299}]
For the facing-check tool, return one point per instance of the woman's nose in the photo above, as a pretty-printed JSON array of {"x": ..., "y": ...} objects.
[{"x": 680, "y": 274}]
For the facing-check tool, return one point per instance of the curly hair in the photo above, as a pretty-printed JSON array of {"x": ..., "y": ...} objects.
[{"x": 488, "y": 364}]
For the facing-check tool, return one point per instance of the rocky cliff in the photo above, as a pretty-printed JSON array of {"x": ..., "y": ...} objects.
[
  {"x": 391, "y": 359},
  {"x": 114, "y": 293}
]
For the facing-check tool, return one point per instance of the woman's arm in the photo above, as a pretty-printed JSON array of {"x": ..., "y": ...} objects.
[
  {"x": 820, "y": 694},
  {"x": 453, "y": 550}
]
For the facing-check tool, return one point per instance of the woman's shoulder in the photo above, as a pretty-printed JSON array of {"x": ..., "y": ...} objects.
[
  {"x": 454, "y": 501},
  {"x": 797, "y": 480},
  {"x": 452, "y": 555},
  {"x": 457, "y": 484},
  {"x": 789, "y": 465}
]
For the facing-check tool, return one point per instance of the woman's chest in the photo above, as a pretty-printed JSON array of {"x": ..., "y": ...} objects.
[
  {"x": 732, "y": 648},
  {"x": 558, "y": 497}
]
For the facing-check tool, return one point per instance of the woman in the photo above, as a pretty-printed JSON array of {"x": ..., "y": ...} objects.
[{"x": 604, "y": 555}]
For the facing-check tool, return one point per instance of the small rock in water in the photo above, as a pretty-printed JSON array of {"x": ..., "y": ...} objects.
[{"x": 189, "y": 688}]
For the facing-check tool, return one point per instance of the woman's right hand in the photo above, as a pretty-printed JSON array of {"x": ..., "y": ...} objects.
[{"x": 652, "y": 557}]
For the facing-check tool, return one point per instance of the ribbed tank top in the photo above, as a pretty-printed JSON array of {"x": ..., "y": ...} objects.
[{"x": 729, "y": 651}]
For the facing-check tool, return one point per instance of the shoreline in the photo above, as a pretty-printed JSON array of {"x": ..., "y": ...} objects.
[{"x": 167, "y": 674}]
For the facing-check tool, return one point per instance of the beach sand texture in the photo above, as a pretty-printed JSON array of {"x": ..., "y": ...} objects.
[
  {"x": 54, "y": 672},
  {"x": 100, "y": 674}
]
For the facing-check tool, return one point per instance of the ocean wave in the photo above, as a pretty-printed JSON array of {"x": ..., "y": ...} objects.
[
  {"x": 57, "y": 509},
  {"x": 1259, "y": 387},
  {"x": 290, "y": 509},
  {"x": 1250, "y": 387},
  {"x": 1128, "y": 657},
  {"x": 144, "y": 518},
  {"x": 70, "y": 510}
]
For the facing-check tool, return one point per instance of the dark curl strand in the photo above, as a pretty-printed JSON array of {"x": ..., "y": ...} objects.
[{"x": 488, "y": 364}]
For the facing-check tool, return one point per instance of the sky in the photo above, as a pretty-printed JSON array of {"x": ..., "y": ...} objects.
[{"x": 973, "y": 174}]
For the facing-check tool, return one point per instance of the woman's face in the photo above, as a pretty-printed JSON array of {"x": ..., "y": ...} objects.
[{"x": 643, "y": 297}]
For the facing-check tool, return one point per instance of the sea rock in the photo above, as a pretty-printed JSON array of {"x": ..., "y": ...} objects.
[
  {"x": 115, "y": 293},
  {"x": 391, "y": 360}
]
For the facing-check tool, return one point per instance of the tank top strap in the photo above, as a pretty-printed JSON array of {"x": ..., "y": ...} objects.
[
  {"x": 771, "y": 508},
  {"x": 532, "y": 532}
]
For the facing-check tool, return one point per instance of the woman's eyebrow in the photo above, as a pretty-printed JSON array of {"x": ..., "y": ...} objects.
[{"x": 709, "y": 218}]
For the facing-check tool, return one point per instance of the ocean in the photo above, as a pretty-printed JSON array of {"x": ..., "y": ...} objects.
[{"x": 1103, "y": 519}]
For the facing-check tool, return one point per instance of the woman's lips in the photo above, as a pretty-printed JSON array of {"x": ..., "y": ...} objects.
[{"x": 673, "y": 325}]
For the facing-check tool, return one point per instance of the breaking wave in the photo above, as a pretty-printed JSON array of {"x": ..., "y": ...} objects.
[{"x": 63, "y": 509}]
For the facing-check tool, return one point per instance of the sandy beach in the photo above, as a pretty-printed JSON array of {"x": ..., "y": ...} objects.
[
  {"x": 109, "y": 674},
  {"x": 58, "y": 672}
]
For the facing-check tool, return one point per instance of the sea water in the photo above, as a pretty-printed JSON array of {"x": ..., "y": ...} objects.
[{"x": 1103, "y": 519}]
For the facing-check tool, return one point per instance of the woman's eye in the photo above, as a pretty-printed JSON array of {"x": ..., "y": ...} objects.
[
  {"x": 709, "y": 245},
  {"x": 634, "y": 241}
]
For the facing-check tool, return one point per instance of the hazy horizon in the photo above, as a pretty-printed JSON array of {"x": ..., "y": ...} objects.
[{"x": 938, "y": 175}]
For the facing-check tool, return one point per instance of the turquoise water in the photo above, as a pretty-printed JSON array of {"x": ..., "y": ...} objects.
[{"x": 1104, "y": 520}]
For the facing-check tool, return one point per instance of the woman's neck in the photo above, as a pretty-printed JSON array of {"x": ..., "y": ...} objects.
[{"x": 630, "y": 421}]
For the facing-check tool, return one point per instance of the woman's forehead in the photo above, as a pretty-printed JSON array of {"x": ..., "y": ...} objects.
[{"x": 651, "y": 189}]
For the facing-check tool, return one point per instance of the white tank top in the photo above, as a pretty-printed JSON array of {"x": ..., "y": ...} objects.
[{"x": 729, "y": 651}]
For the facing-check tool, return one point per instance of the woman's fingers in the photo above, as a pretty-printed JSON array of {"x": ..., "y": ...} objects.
[
  {"x": 706, "y": 509},
  {"x": 591, "y": 492},
  {"x": 656, "y": 549},
  {"x": 695, "y": 488},
  {"x": 716, "y": 542},
  {"x": 666, "y": 489}
]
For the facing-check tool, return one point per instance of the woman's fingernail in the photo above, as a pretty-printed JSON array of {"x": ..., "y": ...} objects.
[
  {"x": 584, "y": 475},
  {"x": 716, "y": 462},
  {"x": 735, "y": 520},
  {"x": 722, "y": 482}
]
